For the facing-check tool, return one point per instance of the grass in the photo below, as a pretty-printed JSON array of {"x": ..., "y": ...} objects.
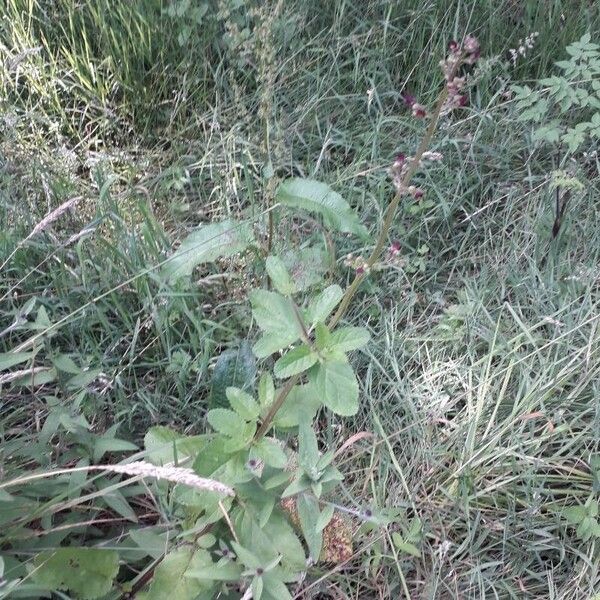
[{"x": 481, "y": 384}]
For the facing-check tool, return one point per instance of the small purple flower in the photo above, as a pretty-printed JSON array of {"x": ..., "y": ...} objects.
[
  {"x": 417, "y": 193},
  {"x": 419, "y": 111},
  {"x": 462, "y": 100},
  {"x": 394, "y": 249},
  {"x": 408, "y": 99},
  {"x": 453, "y": 46},
  {"x": 399, "y": 160},
  {"x": 471, "y": 45},
  {"x": 360, "y": 270}
]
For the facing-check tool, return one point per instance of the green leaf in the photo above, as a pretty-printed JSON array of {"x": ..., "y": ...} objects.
[
  {"x": 266, "y": 391},
  {"x": 322, "y": 336},
  {"x": 248, "y": 558},
  {"x": 325, "y": 516},
  {"x": 10, "y": 359},
  {"x": 314, "y": 196},
  {"x": 207, "y": 244},
  {"x": 164, "y": 445},
  {"x": 149, "y": 541},
  {"x": 279, "y": 276},
  {"x": 86, "y": 572},
  {"x": 285, "y": 541},
  {"x": 308, "y": 451},
  {"x": 320, "y": 307},
  {"x": 226, "y": 421},
  {"x": 276, "y": 587},
  {"x": 275, "y": 315},
  {"x": 575, "y": 514},
  {"x": 214, "y": 455},
  {"x": 307, "y": 266},
  {"x": 257, "y": 587},
  {"x": 336, "y": 386},
  {"x": 301, "y": 404},
  {"x": 296, "y": 486},
  {"x": 114, "y": 499},
  {"x": 270, "y": 452},
  {"x": 295, "y": 361},
  {"x": 404, "y": 546},
  {"x": 308, "y": 513},
  {"x": 107, "y": 443},
  {"x": 243, "y": 404},
  {"x": 64, "y": 363},
  {"x": 171, "y": 576},
  {"x": 234, "y": 368},
  {"x": 346, "y": 339},
  {"x": 228, "y": 571},
  {"x": 241, "y": 440}
]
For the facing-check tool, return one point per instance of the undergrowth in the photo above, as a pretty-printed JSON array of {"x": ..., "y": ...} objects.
[{"x": 471, "y": 466}]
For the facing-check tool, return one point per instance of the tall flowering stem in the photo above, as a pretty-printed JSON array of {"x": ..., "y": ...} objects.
[
  {"x": 450, "y": 97},
  {"x": 391, "y": 211}
]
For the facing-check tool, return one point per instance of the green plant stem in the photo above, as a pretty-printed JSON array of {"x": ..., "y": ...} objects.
[
  {"x": 283, "y": 394},
  {"x": 389, "y": 214},
  {"x": 351, "y": 290}
]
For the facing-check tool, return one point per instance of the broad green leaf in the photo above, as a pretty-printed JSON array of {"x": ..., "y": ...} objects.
[
  {"x": 313, "y": 196},
  {"x": 296, "y": 486},
  {"x": 83, "y": 378},
  {"x": 266, "y": 391},
  {"x": 346, "y": 339},
  {"x": 322, "y": 336},
  {"x": 336, "y": 386},
  {"x": 150, "y": 541},
  {"x": 66, "y": 364},
  {"x": 574, "y": 514},
  {"x": 228, "y": 571},
  {"x": 308, "y": 513},
  {"x": 275, "y": 315},
  {"x": 308, "y": 451},
  {"x": 320, "y": 307},
  {"x": 226, "y": 421},
  {"x": 277, "y": 480},
  {"x": 105, "y": 444},
  {"x": 164, "y": 445},
  {"x": 285, "y": 541},
  {"x": 301, "y": 403},
  {"x": 270, "y": 452},
  {"x": 243, "y": 404},
  {"x": 275, "y": 587},
  {"x": 307, "y": 266},
  {"x": 241, "y": 440},
  {"x": 405, "y": 546},
  {"x": 214, "y": 455},
  {"x": 10, "y": 359},
  {"x": 248, "y": 558},
  {"x": 170, "y": 577},
  {"x": 86, "y": 573},
  {"x": 207, "y": 244},
  {"x": 235, "y": 368},
  {"x": 114, "y": 499},
  {"x": 279, "y": 276},
  {"x": 325, "y": 516},
  {"x": 270, "y": 343},
  {"x": 257, "y": 586},
  {"x": 295, "y": 361}
]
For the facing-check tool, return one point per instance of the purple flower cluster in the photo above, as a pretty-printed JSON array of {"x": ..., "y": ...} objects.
[{"x": 458, "y": 55}]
